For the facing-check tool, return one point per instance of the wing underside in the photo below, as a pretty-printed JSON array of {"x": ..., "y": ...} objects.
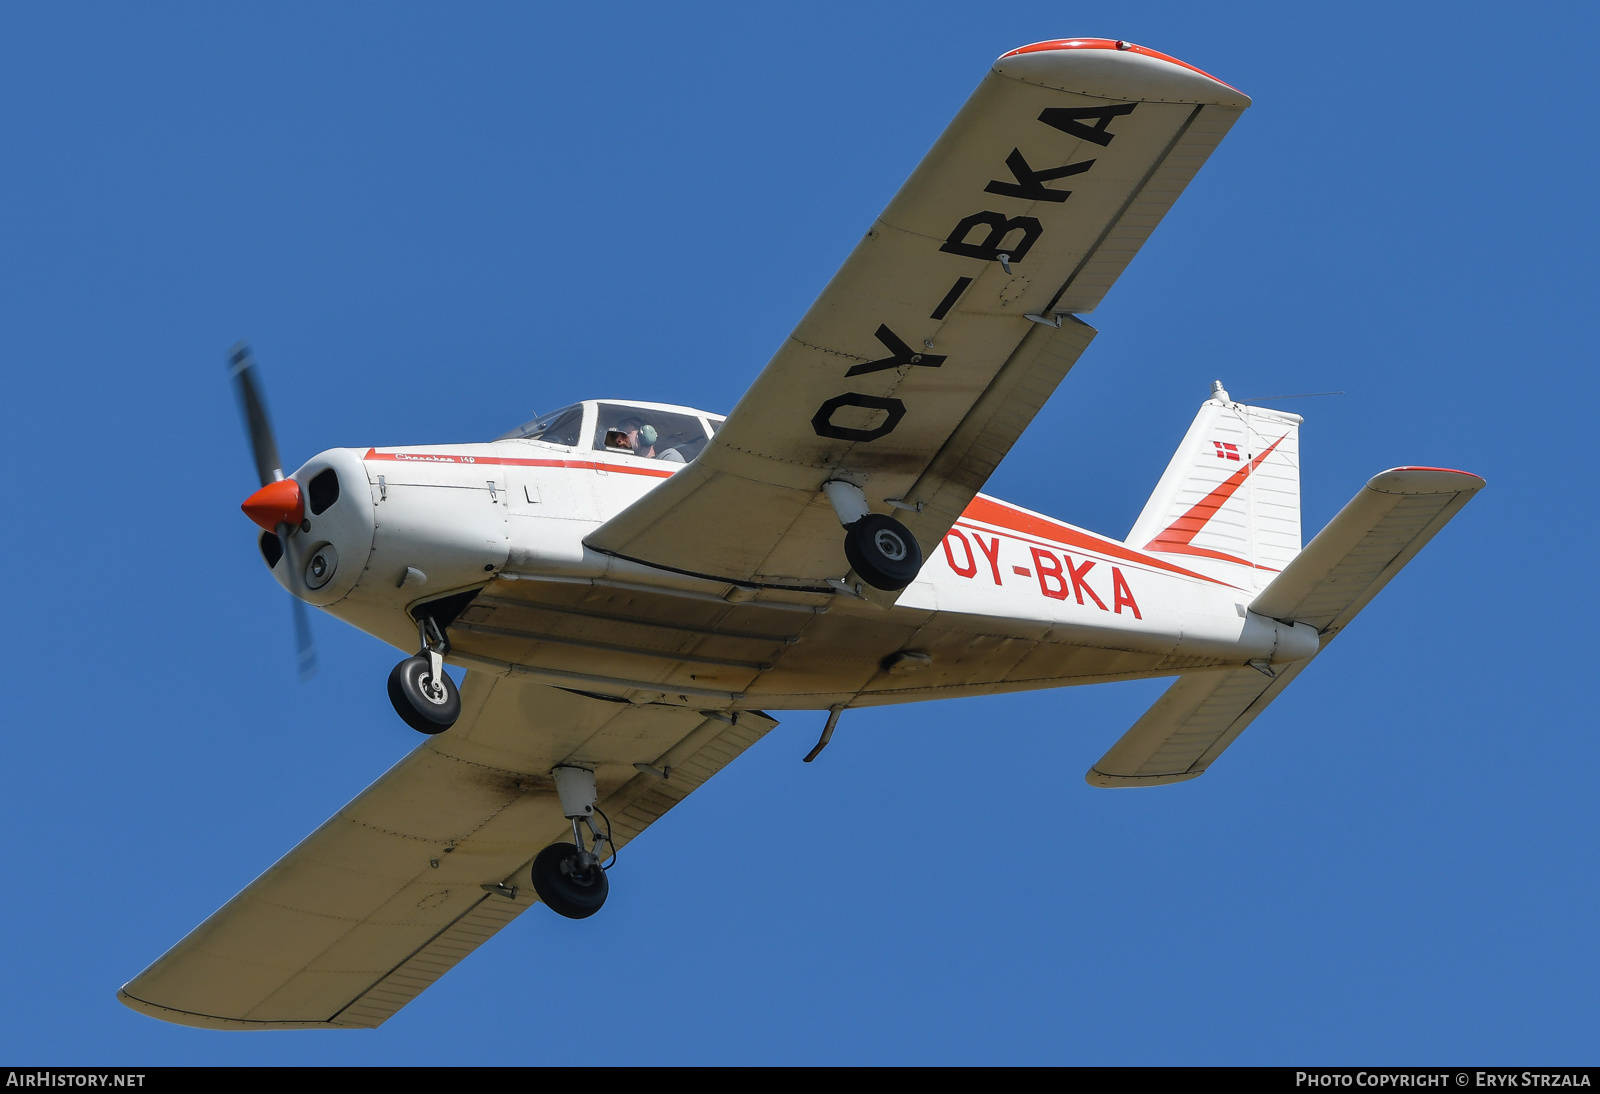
[{"x": 431, "y": 860}]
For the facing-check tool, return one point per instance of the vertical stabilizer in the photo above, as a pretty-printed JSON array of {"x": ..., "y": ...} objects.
[{"x": 1229, "y": 501}]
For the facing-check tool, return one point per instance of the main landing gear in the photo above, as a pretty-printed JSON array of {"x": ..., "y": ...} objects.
[
  {"x": 568, "y": 878},
  {"x": 422, "y": 692},
  {"x": 880, "y": 549}
]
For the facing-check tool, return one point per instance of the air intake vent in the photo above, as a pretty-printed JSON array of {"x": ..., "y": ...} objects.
[
  {"x": 324, "y": 491},
  {"x": 271, "y": 549}
]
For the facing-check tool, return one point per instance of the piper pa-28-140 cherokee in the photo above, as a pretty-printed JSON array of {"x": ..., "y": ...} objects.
[{"x": 630, "y": 586}]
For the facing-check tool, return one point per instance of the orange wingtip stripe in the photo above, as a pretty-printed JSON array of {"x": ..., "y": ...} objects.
[
  {"x": 1446, "y": 470},
  {"x": 1111, "y": 43}
]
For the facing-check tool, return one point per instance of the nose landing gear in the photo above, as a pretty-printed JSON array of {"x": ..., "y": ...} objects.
[
  {"x": 422, "y": 692},
  {"x": 569, "y": 877}
]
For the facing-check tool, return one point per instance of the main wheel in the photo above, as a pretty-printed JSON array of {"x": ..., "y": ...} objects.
[
  {"x": 883, "y": 551},
  {"x": 422, "y": 705},
  {"x": 567, "y": 889}
]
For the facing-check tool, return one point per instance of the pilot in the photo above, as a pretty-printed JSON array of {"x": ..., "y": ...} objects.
[
  {"x": 641, "y": 438},
  {"x": 644, "y": 441}
]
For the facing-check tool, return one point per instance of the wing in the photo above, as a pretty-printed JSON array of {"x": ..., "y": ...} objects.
[
  {"x": 1340, "y": 571},
  {"x": 430, "y": 861},
  {"x": 918, "y": 366}
]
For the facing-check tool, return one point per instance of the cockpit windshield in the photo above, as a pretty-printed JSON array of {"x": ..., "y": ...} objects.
[
  {"x": 650, "y": 434},
  {"x": 557, "y": 427}
]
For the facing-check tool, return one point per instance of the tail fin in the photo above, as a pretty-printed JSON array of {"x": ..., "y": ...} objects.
[{"x": 1230, "y": 499}]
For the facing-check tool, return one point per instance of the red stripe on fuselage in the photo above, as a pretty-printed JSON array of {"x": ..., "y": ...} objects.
[
  {"x": 985, "y": 510},
  {"x": 1003, "y": 516},
  {"x": 507, "y": 461}
]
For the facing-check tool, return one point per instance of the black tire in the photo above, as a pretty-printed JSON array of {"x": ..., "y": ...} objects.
[
  {"x": 416, "y": 707},
  {"x": 561, "y": 886},
  {"x": 883, "y": 551}
]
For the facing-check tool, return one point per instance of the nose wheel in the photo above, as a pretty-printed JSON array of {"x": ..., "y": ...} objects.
[
  {"x": 422, "y": 692},
  {"x": 569, "y": 877}
]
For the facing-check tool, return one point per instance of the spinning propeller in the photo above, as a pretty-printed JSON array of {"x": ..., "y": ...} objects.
[{"x": 278, "y": 506}]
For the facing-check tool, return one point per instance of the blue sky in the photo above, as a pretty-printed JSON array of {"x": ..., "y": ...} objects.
[{"x": 434, "y": 222}]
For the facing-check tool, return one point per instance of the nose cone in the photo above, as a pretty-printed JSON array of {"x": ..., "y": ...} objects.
[{"x": 276, "y": 503}]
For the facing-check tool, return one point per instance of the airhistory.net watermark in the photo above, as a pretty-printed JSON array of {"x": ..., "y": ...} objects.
[{"x": 50, "y": 1077}]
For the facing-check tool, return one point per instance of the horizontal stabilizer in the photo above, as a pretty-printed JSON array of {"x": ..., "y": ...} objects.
[
  {"x": 1340, "y": 571},
  {"x": 1189, "y": 726},
  {"x": 1363, "y": 547}
]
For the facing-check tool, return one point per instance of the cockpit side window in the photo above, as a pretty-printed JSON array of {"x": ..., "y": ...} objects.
[
  {"x": 649, "y": 434},
  {"x": 558, "y": 427}
]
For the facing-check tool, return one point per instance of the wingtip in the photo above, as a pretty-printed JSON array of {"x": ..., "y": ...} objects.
[
  {"x": 1117, "y": 69},
  {"x": 212, "y": 1021},
  {"x": 1095, "y": 777},
  {"x": 1425, "y": 480}
]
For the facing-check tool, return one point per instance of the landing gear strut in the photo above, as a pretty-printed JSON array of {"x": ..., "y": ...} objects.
[
  {"x": 422, "y": 692},
  {"x": 569, "y": 879}
]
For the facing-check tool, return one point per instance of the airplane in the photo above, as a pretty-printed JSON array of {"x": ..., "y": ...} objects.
[{"x": 631, "y": 587}]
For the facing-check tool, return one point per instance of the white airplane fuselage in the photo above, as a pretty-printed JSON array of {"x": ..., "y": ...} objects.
[{"x": 1011, "y": 601}]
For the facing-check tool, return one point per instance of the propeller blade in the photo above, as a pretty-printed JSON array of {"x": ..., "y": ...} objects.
[
  {"x": 242, "y": 367},
  {"x": 304, "y": 642},
  {"x": 272, "y": 509}
]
